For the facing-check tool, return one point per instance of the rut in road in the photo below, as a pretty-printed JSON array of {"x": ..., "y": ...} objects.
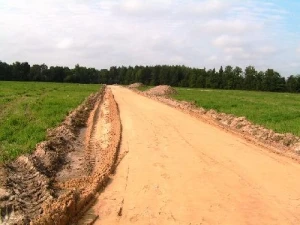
[
  {"x": 88, "y": 167},
  {"x": 58, "y": 181},
  {"x": 180, "y": 170}
]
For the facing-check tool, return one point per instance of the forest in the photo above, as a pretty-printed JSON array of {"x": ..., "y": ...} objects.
[{"x": 229, "y": 78}]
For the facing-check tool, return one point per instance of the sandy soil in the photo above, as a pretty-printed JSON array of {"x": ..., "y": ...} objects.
[
  {"x": 58, "y": 181},
  {"x": 282, "y": 143},
  {"x": 135, "y": 85},
  {"x": 161, "y": 90},
  {"x": 180, "y": 170},
  {"x": 88, "y": 168}
]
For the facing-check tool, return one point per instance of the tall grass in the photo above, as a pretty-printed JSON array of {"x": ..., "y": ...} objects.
[
  {"x": 27, "y": 109},
  {"x": 277, "y": 111}
]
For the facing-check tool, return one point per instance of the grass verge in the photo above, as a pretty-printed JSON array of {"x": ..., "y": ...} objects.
[
  {"x": 277, "y": 111},
  {"x": 28, "y": 109}
]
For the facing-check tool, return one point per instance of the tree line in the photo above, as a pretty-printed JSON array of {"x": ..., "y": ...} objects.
[{"x": 229, "y": 77}]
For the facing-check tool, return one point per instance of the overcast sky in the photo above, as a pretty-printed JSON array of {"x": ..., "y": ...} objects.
[{"x": 197, "y": 33}]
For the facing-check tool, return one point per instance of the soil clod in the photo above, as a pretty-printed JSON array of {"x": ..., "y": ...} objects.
[
  {"x": 55, "y": 183},
  {"x": 161, "y": 90},
  {"x": 135, "y": 85}
]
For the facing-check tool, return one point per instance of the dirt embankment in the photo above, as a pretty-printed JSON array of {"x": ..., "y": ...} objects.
[
  {"x": 135, "y": 85},
  {"x": 161, "y": 90},
  {"x": 181, "y": 170},
  {"x": 57, "y": 182},
  {"x": 287, "y": 143}
]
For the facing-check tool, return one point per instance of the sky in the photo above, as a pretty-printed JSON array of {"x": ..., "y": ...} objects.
[{"x": 195, "y": 33}]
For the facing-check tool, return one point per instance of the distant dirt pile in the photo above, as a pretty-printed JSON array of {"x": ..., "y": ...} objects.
[
  {"x": 136, "y": 85},
  {"x": 161, "y": 90}
]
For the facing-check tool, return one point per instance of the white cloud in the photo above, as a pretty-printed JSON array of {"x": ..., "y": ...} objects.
[
  {"x": 65, "y": 43},
  {"x": 225, "y": 41},
  {"x": 267, "y": 50},
  {"x": 200, "y": 33},
  {"x": 139, "y": 8},
  {"x": 206, "y": 7},
  {"x": 234, "y": 26},
  {"x": 234, "y": 50},
  {"x": 212, "y": 58},
  {"x": 294, "y": 64}
]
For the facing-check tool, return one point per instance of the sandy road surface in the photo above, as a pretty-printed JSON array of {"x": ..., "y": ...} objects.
[{"x": 180, "y": 170}]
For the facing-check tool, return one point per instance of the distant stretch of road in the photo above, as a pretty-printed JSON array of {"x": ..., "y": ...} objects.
[{"x": 180, "y": 170}]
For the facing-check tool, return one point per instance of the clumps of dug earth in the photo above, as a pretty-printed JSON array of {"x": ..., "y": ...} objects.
[
  {"x": 135, "y": 85},
  {"x": 88, "y": 168},
  {"x": 259, "y": 132},
  {"x": 236, "y": 124},
  {"x": 56, "y": 182},
  {"x": 161, "y": 90},
  {"x": 26, "y": 182}
]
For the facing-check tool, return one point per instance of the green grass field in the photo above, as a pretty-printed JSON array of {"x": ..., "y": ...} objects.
[
  {"x": 27, "y": 109},
  {"x": 277, "y": 111}
]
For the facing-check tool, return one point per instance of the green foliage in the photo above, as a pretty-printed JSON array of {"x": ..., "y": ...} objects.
[
  {"x": 277, "y": 111},
  {"x": 28, "y": 109},
  {"x": 229, "y": 78},
  {"x": 144, "y": 88}
]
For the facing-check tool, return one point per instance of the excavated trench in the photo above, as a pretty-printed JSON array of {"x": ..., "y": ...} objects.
[{"x": 56, "y": 183}]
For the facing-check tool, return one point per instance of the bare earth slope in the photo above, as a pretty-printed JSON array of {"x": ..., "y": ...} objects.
[{"x": 180, "y": 170}]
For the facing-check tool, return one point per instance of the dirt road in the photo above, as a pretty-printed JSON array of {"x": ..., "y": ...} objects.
[{"x": 180, "y": 170}]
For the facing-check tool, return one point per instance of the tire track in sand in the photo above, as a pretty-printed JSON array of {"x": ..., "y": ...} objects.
[{"x": 184, "y": 171}]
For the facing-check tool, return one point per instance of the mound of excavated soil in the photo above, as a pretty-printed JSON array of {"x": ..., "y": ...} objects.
[
  {"x": 161, "y": 90},
  {"x": 87, "y": 168},
  {"x": 135, "y": 85},
  {"x": 56, "y": 182},
  {"x": 26, "y": 183},
  {"x": 241, "y": 125}
]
